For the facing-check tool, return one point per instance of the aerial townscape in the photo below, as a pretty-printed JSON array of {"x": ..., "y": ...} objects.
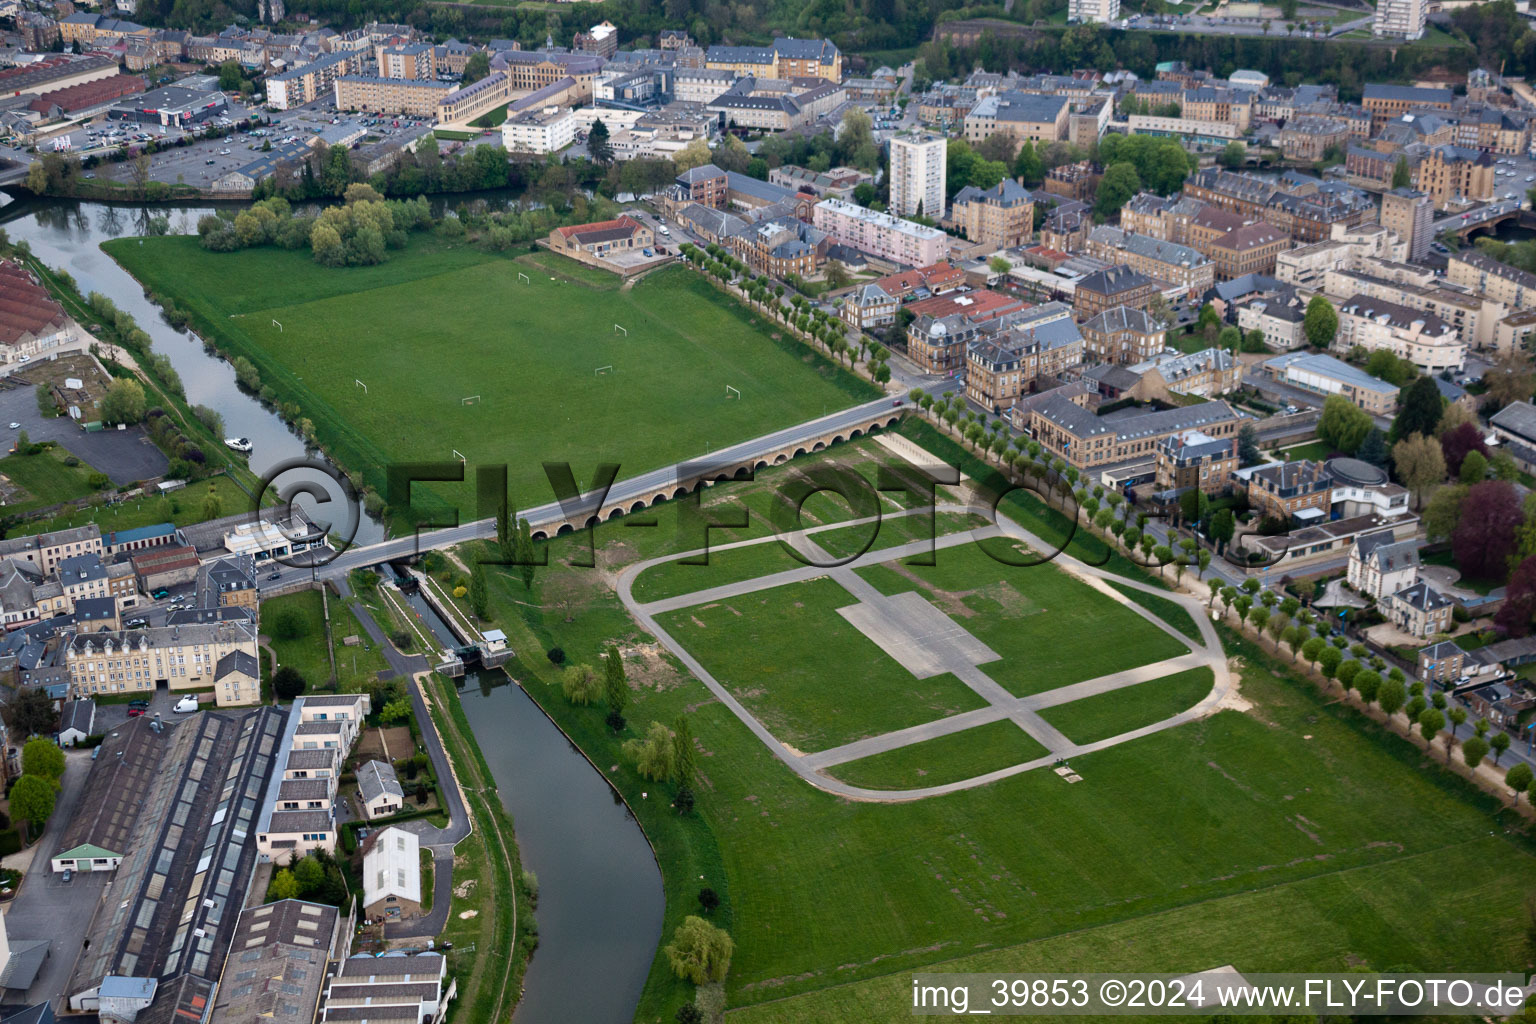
[{"x": 619, "y": 511}]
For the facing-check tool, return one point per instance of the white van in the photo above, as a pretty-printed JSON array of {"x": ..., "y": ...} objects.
[{"x": 186, "y": 705}]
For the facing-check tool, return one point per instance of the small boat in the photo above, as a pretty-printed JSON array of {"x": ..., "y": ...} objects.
[{"x": 238, "y": 444}]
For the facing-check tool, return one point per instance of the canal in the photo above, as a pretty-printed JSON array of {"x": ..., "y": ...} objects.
[{"x": 600, "y": 895}]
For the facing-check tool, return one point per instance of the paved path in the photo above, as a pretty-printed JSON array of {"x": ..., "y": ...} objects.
[
  {"x": 1001, "y": 704},
  {"x": 440, "y": 841}
]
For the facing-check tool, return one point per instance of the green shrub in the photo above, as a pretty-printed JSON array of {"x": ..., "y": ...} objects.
[{"x": 10, "y": 842}]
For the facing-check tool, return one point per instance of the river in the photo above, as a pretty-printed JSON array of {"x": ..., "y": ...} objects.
[{"x": 600, "y": 896}]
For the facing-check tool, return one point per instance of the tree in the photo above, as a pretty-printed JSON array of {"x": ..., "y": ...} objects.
[
  {"x": 579, "y": 684},
  {"x": 1329, "y": 660},
  {"x": 1458, "y": 443},
  {"x": 1391, "y": 696},
  {"x": 213, "y": 505},
  {"x": 506, "y": 532},
  {"x": 1444, "y": 511},
  {"x": 1312, "y": 648},
  {"x": 284, "y": 886},
  {"x": 1321, "y": 322},
  {"x": 31, "y": 713},
  {"x": 709, "y": 900},
  {"x": 1473, "y": 751},
  {"x": 699, "y": 951},
  {"x": 1343, "y": 424},
  {"x": 653, "y": 755},
  {"x": 1346, "y": 673},
  {"x": 1518, "y": 778},
  {"x": 615, "y": 688},
  {"x": 1375, "y": 450},
  {"x": 1431, "y": 721},
  {"x": 682, "y": 751},
  {"x": 1402, "y": 177},
  {"x": 1499, "y": 741},
  {"x": 246, "y": 374},
  {"x": 1248, "y": 444},
  {"x": 1485, "y": 535},
  {"x": 598, "y": 144},
  {"x": 287, "y": 683},
  {"x": 310, "y": 874},
  {"x": 32, "y": 801},
  {"x": 395, "y": 712},
  {"x": 1474, "y": 468},
  {"x": 1421, "y": 411},
  {"x": 1511, "y": 379},
  {"x": 689, "y": 1013},
  {"x": 1420, "y": 463},
  {"x": 43, "y": 758},
  {"x": 1368, "y": 685},
  {"x": 1233, "y": 154},
  {"x": 123, "y": 402},
  {"x": 1119, "y": 184},
  {"x": 479, "y": 595},
  {"x": 1457, "y": 718}
]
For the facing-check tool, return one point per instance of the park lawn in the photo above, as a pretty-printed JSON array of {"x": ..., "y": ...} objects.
[
  {"x": 1020, "y": 613},
  {"x": 1170, "y": 612},
  {"x": 1314, "y": 450},
  {"x": 1109, "y": 714},
  {"x": 46, "y": 479},
  {"x": 185, "y": 505},
  {"x": 306, "y": 651},
  {"x": 890, "y": 532},
  {"x": 357, "y": 665},
  {"x": 670, "y": 579},
  {"x": 528, "y": 355},
  {"x": 1181, "y": 850},
  {"x": 1447, "y": 559},
  {"x": 953, "y": 758},
  {"x": 812, "y": 695}
]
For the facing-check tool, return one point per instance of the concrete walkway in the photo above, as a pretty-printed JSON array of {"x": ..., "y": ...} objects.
[{"x": 950, "y": 653}]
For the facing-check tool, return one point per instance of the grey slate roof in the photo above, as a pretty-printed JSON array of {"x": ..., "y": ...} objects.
[
  {"x": 1518, "y": 418},
  {"x": 376, "y": 779}
]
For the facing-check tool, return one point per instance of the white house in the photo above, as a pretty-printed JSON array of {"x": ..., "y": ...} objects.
[
  {"x": 379, "y": 790},
  {"x": 1380, "y": 565},
  {"x": 76, "y": 721}
]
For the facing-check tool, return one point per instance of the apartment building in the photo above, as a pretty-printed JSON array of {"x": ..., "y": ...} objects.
[
  {"x": 377, "y": 95},
  {"x": 918, "y": 174},
  {"x": 1307, "y": 266},
  {"x": 1483, "y": 274},
  {"x": 1324, "y": 375},
  {"x": 1018, "y": 116},
  {"x": 1400, "y": 19},
  {"x": 1385, "y": 102},
  {"x": 544, "y": 130},
  {"x": 1195, "y": 461},
  {"x": 1423, "y": 339},
  {"x": 1310, "y": 137},
  {"x": 1168, "y": 374},
  {"x": 186, "y": 657},
  {"x": 1380, "y": 564},
  {"x": 869, "y": 306},
  {"x": 1087, "y": 441},
  {"x": 1115, "y": 286},
  {"x": 1003, "y": 215},
  {"x": 1410, "y": 214},
  {"x": 1302, "y": 490},
  {"x": 1454, "y": 176},
  {"x": 1161, "y": 261},
  {"x": 528, "y": 70},
  {"x": 44, "y": 551},
  {"x": 1279, "y": 318},
  {"x": 1123, "y": 335},
  {"x": 468, "y": 102},
  {"x": 1097, "y": 12},
  {"x": 999, "y": 368},
  {"x": 1420, "y": 610},
  {"x": 308, "y": 82},
  {"x": 413, "y": 61},
  {"x": 1250, "y": 249},
  {"x": 786, "y": 58},
  {"x": 880, "y": 234}
]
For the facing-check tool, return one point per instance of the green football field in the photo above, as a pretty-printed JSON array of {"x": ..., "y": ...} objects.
[{"x": 445, "y": 351}]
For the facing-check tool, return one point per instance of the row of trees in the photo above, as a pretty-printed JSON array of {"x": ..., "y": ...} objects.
[{"x": 32, "y": 796}]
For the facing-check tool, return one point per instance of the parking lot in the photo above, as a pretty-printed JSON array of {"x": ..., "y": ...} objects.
[
  {"x": 49, "y": 908},
  {"x": 124, "y": 455},
  {"x": 161, "y": 702}
]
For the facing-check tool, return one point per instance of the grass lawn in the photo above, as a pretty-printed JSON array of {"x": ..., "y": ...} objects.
[
  {"x": 1020, "y": 613},
  {"x": 952, "y": 758},
  {"x": 1110, "y": 714},
  {"x": 1168, "y": 611},
  {"x": 1314, "y": 450},
  {"x": 45, "y": 478},
  {"x": 840, "y": 688},
  {"x": 184, "y": 507},
  {"x": 670, "y": 579},
  {"x": 1293, "y": 837},
  {"x": 356, "y": 666},
  {"x": 850, "y": 540},
  {"x": 530, "y": 352}
]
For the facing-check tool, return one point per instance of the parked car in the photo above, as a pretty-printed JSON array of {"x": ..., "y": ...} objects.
[
  {"x": 136, "y": 712},
  {"x": 186, "y": 705},
  {"x": 138, "y": 704},
  {"x": 69, "y": 873},
  {"x": 161, "y": 594},
  {"x": 274, "y": 575}
]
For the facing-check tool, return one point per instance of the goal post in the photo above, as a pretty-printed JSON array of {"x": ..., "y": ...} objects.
[
  {"x": 602, "y": 370},
  {"x": 278, "y": 326},
  {"x": 361, "y": 385},
  {"x": 729, "y": 391},
  {"x": 524, "y": 278},
  {"x": 470, "y": 400},
  {"x": 619, "y": 330}
]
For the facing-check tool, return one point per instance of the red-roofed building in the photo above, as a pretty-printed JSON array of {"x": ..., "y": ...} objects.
[
  {"x": 934, "y": 280},
  {"x": 602, "y": 237},
  {"x": 88, "y": 95},
  {"x": 977, "y": 306},
  {"x": 30, "y": 321}
]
